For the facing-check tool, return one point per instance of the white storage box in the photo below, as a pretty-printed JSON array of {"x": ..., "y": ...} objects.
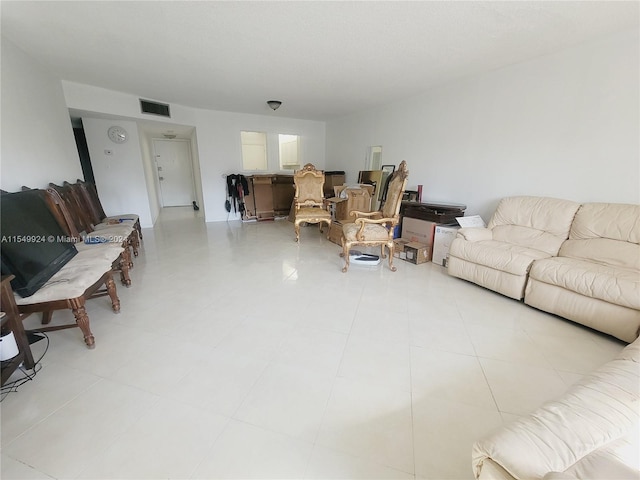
[{"x": 443, "y": 236}]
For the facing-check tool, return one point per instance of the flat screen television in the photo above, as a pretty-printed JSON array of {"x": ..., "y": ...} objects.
[{"x": 34, "y": 246}]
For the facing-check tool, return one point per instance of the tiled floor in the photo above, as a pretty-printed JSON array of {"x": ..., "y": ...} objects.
[{"x": 242, "y": 354}]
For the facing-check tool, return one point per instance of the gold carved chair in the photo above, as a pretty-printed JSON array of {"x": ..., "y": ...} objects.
[
  {"x": 308, "y": 200},
  {"x": 376, "y": 228}
]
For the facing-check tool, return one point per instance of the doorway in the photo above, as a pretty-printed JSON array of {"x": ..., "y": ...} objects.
[{"x": 174, "y": 169}]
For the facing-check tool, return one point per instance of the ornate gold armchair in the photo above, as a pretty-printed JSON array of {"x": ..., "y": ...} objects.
[
  {"x": 376, "y": 228},
  {"x": 308, "y": 200}
]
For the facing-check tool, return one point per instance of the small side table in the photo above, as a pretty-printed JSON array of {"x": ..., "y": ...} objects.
[{"x": 12, "y": 320}]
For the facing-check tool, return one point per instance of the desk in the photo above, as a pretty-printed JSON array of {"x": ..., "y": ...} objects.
[{"x": 12, "y": 321}]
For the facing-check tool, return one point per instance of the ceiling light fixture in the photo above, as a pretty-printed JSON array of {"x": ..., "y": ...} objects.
[{"x": 274, "y": 104}]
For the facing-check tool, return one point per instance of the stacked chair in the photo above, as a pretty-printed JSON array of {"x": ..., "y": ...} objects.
[
  {"x": 79, "y": 211},
  {"x": 103, "y": 248},
  {"x": 91, "y": 199}
]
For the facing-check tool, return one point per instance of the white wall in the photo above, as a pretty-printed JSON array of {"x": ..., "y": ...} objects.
[
  {"x": 218, "y": 137},
  {"x": 120, "y": 176},
  {"x": 220, "y": 149},
  {"x": 564, "y": 125},
  {"x": 153, "y": 195},
  {"x": 38, "y": 145}
]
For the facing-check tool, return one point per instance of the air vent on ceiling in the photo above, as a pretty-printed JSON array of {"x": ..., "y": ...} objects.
[{"x": 154, "y": 108}]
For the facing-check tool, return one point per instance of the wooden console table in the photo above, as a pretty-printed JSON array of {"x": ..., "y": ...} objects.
[{"x": 12, "y": 321}]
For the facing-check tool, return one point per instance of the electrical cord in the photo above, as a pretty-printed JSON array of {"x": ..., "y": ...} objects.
[{"x": 13, "y": 386}]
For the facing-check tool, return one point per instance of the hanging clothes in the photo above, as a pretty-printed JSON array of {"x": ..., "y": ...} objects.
[{"x": 237, "y": 188}]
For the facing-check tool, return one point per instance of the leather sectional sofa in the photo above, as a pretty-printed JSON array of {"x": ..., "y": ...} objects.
[
  {"x": 581, "y": 262},
  {"x": 591, "y": 432}
]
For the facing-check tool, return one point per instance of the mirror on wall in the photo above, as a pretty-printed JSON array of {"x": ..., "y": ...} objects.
[{"x": 374, "y": 159}]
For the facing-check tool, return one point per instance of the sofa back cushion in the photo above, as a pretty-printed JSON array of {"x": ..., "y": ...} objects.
[
  {"x": 606, "y": 233},
  {"x": 541, "y": 223}
]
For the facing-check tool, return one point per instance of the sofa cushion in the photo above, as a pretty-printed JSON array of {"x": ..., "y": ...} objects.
[
  {"x": 528, "y": 238},
  {"x": 620, "y": 286},
  {"x": 506, "y": 257},
  {"x": 605, "y": 251},
  {"x": 617, "y": 221},
  {"x": 606, "y": 233},
  {"x": 550, "y": 215},
  {"x": 618, "y": 460}
]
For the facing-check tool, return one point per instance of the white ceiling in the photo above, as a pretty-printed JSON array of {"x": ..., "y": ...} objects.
[{"x": 322, "y": 59}]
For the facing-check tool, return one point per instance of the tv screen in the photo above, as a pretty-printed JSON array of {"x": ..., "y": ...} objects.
[{"x": 34, "y": 246}]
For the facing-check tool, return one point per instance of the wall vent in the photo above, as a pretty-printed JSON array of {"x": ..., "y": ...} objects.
[{"x": 155, "y": 108}]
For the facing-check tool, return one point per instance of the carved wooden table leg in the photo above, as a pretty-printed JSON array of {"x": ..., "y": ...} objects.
[
  {"x": 124, "y": 269},
  {"x": 111, "y": 290},
  {"x": 82, "y": 319},
  {"x": 46, "y": 316},
  {"x": 127, "y": 254},
  {"x": 136, "y": 240},
  {"x": 133, "y": 241}
]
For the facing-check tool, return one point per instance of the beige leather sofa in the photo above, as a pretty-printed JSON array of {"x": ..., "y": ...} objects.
[
  {"x": 595, "y": 279},
  {"x": 591, "y": 432},
  {"x": 581, "y": 262},
  {"x": 521, "y": 230}
]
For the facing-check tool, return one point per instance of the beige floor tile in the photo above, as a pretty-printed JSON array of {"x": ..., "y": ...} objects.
[
  {"x": 369, "y": 422},
  {"x": 519, "y": 388},
  {"x": 386, "y": 364},
  {"x": 447, "y": 375},
  {"x": 168, "y": 441},
  {"x": 330, "y": 464},
  {"x": 65, "y": 443},
  {"x": 442, "y": 446},
  {"x": 246, "y": 451},
  {"x": 287, "y": 399}
]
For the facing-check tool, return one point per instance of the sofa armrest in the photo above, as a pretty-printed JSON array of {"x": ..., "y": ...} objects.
[{"x": 475, "y": 234}]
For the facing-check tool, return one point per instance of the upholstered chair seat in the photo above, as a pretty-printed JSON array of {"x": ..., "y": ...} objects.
[
  {"x": 109, "y": 222},
  {"x": 371, "y": 232},
  {"x": 102, "y": 251},
  {"x": 110, "y": 234},
  {"x": 312, "y": 214},
  {"x": 70, "y": 281}
]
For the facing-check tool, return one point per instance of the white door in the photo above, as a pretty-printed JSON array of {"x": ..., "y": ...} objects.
[{"x": 175, "y": 172}]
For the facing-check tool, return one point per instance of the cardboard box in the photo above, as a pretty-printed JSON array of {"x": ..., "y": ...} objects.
[
  {"x": 417, "y": 252},
  {"x": 337, "y": 190},
  {"x": 416, "y": 230},
  {"x": 331, "y": 179},
  {"x": 335, "y": 233},
  {"x": 398, "y": 248},
  {"x": 356, "y": 198},
  {"x": 444, "y": 235}
]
